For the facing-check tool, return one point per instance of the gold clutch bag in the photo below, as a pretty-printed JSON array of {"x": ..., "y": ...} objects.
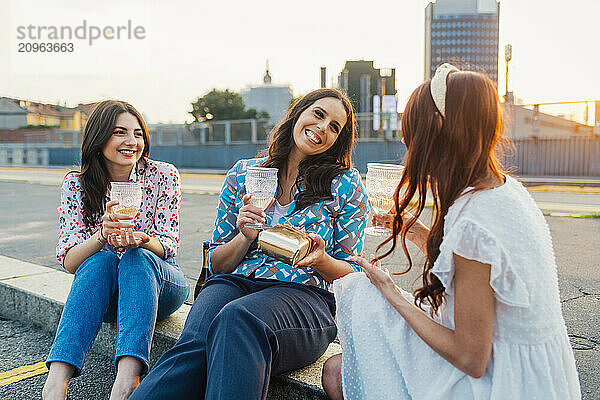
[{"x": 285, "y": 243}]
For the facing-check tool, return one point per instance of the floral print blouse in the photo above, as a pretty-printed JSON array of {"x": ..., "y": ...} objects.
[
  {"x": 158, "y": 217},
  {"x": 340, "y": 221}
]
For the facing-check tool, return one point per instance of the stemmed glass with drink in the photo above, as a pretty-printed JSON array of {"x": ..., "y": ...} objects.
[
  {"x": 382, "y": 180},
  {"x": 129, "y": 196},
  {"x": 261, "y": 184}
]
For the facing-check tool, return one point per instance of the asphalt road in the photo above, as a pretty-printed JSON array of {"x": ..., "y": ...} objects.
[{"x": 25, "y": 345}]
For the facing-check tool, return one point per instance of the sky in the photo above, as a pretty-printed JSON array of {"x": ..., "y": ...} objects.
[{"x": 189, "y": 47}]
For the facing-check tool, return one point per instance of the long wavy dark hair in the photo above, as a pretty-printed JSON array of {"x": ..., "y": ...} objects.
[
  {"x": 93, "y": 174},
  {"x": 446, "y": 155},
  {"x": 317, "y": 171}
]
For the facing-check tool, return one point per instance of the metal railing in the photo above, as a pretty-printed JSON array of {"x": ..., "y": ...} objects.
[
  {"x": 218, "y": 132},
  {"x": 378, "y": 127},
  {"x": 257, "y": 131},
  {"x": 370, "y": 128},
  {"x": 574, "y": 156},
  {"x": 51, "y": 137}
]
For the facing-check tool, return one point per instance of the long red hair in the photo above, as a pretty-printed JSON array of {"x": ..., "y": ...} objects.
[{"x": 445, "y": 155}]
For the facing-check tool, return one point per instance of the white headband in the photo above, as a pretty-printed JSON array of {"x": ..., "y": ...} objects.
[{"x": 438, "y": 86}]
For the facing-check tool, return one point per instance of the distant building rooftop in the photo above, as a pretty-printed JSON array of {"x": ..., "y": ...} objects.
[
  {"x": 445, "y": 7},
  {"x": 7, "y": 106},
  {"x": 54, "y": 110},
  {"x": 88, "y": 108}
]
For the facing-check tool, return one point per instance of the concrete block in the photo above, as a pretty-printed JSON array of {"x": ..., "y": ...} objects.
[
  {"x": 304, "y": 383},
  {"x": 54, "y": 284},
  {"x": 26, "y": 306},
  {"x": 311, "y": 375},
  {"x": 13, "y": 268}
]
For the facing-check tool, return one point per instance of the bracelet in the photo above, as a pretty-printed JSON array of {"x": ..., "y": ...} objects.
[{"x": 101, "y": 237}]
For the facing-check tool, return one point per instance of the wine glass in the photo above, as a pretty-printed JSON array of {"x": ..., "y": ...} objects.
[
  {"x": 382, "y": 180},
  {"x": 261, "y": 183},
  {"x": 129, "y": 196}
]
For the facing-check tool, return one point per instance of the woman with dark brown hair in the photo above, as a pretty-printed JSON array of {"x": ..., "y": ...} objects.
[
  {"x": 123, "y": 266},
  {"x": 257, "y": 316},
  {"x": 487, "y": 322}
]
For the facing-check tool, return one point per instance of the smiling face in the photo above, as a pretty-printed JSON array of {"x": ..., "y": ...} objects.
[
  {"x": 126, "y": 144},
  {"x": 318, "y": 127}
]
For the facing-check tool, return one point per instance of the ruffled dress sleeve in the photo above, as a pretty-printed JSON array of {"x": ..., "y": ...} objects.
[{"x": 468, "y": 239}]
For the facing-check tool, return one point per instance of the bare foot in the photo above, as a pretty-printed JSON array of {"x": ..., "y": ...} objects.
[
  {"x": 57, "y": 381},
  {"x": 128, "y": 378},
  {"x": 123, "y": 388},
  {"x": 55, "y": 389}
]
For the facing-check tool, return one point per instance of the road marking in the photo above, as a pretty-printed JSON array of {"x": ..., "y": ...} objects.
[
  {"x": 24, "y": 372},
  {"x": 34, "y": 170},
  {"x": 577, "y": 208},
  {"x": 564, "y": 189}
]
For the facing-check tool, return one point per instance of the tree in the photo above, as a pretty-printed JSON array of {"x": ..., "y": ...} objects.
[
  {"x": 222, "y": 105},
  {"x": 251, "y": 113}
]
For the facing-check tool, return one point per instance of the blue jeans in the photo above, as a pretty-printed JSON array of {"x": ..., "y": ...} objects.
[
  {"x": 239, "y": 332},
  {"x": 134, "y": 291}
]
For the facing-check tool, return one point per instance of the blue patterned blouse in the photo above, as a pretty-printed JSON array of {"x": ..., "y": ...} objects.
[{"x": 340, "y": 222}]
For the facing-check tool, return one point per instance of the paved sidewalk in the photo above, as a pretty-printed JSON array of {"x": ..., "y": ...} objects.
[{"x": 554, "y": 195}]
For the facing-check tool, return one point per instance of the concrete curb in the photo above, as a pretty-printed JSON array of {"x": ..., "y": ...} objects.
[
  {"x": 560, "y": 181},
  {"x": 36, "y": 295}
]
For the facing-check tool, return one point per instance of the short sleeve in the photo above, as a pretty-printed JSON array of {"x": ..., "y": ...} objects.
[
  {"x": 71, "y": 230},
  {"x": 351, "y": 219},
  {"x": 470, "y": 240}
]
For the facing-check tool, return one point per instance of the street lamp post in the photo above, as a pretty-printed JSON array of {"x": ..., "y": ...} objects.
[{"x": 507, "y": 58}]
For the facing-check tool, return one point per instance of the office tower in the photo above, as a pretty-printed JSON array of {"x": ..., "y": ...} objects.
[{"x": 464, "y": 33}]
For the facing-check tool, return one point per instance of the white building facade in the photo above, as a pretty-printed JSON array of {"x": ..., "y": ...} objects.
[{"x": 274, "y": 99}]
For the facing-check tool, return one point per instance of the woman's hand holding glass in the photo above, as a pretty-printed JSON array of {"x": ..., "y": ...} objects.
[
  {"x": 382, "y": 220},
  {"x": 117, "y": 229},
  {"x": 382, "y": 180},
  {"x": 416, "y": 234},
  {"x": 261, "y": 184},
  {"x": 249, "y": 216}
]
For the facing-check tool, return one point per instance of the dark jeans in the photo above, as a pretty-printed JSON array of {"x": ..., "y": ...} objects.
[{"x": 239, "y": 332}]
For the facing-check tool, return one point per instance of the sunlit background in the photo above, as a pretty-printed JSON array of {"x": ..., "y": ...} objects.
[{"x": 192, "y": 47}]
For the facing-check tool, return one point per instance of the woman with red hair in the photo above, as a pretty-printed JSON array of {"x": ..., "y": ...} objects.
[{"x": 487, "y": 321}]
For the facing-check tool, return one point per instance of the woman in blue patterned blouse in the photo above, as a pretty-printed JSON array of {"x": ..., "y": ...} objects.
[{"x": 258, "y": 317}]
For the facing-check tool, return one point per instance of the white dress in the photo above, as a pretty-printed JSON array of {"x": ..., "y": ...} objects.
[{"x": 383, "y": 358}]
